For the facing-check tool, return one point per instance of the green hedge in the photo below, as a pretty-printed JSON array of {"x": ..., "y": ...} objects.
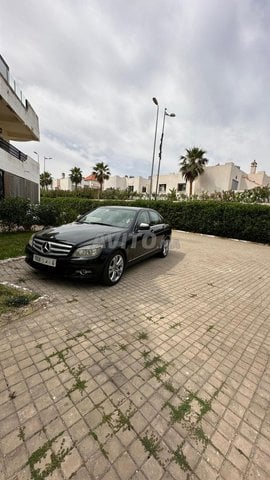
[
  {"x": 226, "y": 219},
  {"x": 234, "y": 220}
]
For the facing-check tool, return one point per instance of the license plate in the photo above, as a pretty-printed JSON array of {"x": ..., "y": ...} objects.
[{"x": 51, "y": 262}]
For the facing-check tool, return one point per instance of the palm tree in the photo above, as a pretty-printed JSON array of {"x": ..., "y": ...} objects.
[
  {"x": 102, "y": 173},
  {"x": 45, "y": 179},
  {"x": 192, "y": 165},
  {"x": 75, "y": 176}
]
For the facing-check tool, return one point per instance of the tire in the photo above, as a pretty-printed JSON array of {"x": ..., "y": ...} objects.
[
  {"x": 114, "y": 269},
  {"x": 165, "y": 246}
]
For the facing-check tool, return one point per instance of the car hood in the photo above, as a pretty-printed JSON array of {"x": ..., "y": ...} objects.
[{"x": 76, "y": 233}]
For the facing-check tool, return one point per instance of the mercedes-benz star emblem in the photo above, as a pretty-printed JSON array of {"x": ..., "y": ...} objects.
[{"x": 46, "y": 247}]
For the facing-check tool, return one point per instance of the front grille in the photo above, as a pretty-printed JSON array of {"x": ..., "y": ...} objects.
[{"x": 46, "y": 247}]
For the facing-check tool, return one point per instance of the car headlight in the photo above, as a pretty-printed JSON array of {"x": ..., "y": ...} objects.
[
  {"x": 31, "y": 239},
  {"x": 90, "y": 251}
]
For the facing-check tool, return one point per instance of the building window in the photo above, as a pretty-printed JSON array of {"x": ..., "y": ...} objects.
[
  {"x": 131, "y": 188},
  {"x": 162, "y": 188},
  {"x": 234, "y": 184},
  {"x": 181, "y": 187},
  {"x": 143, "y": 189}
]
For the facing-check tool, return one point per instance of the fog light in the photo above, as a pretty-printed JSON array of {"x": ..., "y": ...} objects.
[{"x": 83, "y": 272}]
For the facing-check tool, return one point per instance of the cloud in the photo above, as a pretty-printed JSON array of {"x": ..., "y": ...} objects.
[{"x": 90, "y": 70}]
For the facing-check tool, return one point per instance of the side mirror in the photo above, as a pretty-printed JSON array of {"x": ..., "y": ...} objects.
[{"x": 144, "y": 226}]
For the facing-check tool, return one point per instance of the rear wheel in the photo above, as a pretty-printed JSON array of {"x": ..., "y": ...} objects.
[
  {"x": 114, "y": 269},
  {"x": 165, "y": 246}
]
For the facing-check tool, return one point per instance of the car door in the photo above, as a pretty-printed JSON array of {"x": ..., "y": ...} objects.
[
  {"x": 139, "y": 245},
  {"x": 156, "y": 228}
]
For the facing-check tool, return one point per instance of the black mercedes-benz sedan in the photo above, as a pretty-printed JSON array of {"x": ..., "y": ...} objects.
[{"x": 101, "y": 243}]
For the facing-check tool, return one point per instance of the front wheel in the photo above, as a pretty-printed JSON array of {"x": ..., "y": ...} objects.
[
  {"x": 114, "y": 269},
  {"x": 165, "y": 245}
]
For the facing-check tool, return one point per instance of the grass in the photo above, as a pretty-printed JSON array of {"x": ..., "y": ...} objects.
[
  {"x": 11, "y": 298},
  {"x": 13, "y": 244}
]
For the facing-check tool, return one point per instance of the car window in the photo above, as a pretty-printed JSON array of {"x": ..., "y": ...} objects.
[
  {"x": 142, "y": 218},
  {"x": 117, "y": 217},
  {"x": 155, "y": 218}
]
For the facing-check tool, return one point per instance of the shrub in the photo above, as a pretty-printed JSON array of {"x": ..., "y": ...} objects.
[
  {"x": 227, "y": 219},
  {"x": 16, "y": 212},
  {"x": 48, "y": 214},
  {"x": 80, "y": 193}
]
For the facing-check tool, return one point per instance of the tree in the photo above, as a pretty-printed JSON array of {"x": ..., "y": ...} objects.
[
  {"x": 75, "y": 176},
  {"x": 172, "y": 195},
  {"x": 102, "y": 173},
  {"x": 192, "y": 165},
  {"x": 45, "y": 180}
]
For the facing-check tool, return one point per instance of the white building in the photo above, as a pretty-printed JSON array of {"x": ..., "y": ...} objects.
[
  {"x": 215, "y": 178},
  {"x": 65, "y": 183},
  {"x": 19, "y": 173},
  {"x": 133, "y": 184}
]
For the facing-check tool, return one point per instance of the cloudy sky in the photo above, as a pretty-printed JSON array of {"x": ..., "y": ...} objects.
[{"x": 91, "y": 67}]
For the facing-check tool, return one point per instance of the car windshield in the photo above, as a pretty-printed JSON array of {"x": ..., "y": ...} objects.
[{"x": 115, "y": 217}]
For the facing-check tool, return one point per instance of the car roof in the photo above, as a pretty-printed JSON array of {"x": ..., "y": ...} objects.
[{"x": 125, "y": 207}]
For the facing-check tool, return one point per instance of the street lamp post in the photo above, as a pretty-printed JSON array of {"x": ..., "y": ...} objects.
[
  {"x": 154, "y": 149},
  {"x": 46, "y": 158},
  {"x": 160, "y": 146}
]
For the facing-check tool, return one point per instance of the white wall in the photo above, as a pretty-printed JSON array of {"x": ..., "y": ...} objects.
[
  {"x": 28, "y": 169},
  {"x": 115, "y": 181},
  {"x": 218, "y": 178}
]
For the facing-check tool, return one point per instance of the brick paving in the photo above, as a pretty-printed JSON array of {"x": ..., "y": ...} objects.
[{"x": 164, "y": 376}]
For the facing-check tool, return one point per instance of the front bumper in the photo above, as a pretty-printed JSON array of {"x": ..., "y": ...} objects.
[{"x": 67, "y": 266}]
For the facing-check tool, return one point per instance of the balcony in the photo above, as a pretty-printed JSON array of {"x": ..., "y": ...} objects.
[
  {"x": 12, "y": 150},
  {"x": 18, "y": 120}
]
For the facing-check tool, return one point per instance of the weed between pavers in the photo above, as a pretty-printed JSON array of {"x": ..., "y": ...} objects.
[
  {"x": 183, "y": 413},
  {"x": 156, "y": 361},
  {"x": 79, "y": 335},
  {"x": 122, "y": 420},
  {"x": 55, "y": 459},
  {"x": 100, "y": 444},
  {"x": 151, "y": 445},
  {"x": 118, "y": 420},
  {"x": 61, "y": 356},
  {"x": 175, "y": 325},
  {"x": 180, "y": 459},
  {"x": 103, "y": 348},
  {"x": 142, "y": 336},
  {"x": 160, "y": 370},
  {"x": 169, "y": 386},
  {"x": 21, "y": 434}
]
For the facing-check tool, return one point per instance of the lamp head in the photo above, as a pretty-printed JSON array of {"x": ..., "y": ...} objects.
[{"x": 155, "y": 100}]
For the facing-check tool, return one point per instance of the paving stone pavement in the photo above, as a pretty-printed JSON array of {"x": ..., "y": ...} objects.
[{"x": 164, "y": 376}]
